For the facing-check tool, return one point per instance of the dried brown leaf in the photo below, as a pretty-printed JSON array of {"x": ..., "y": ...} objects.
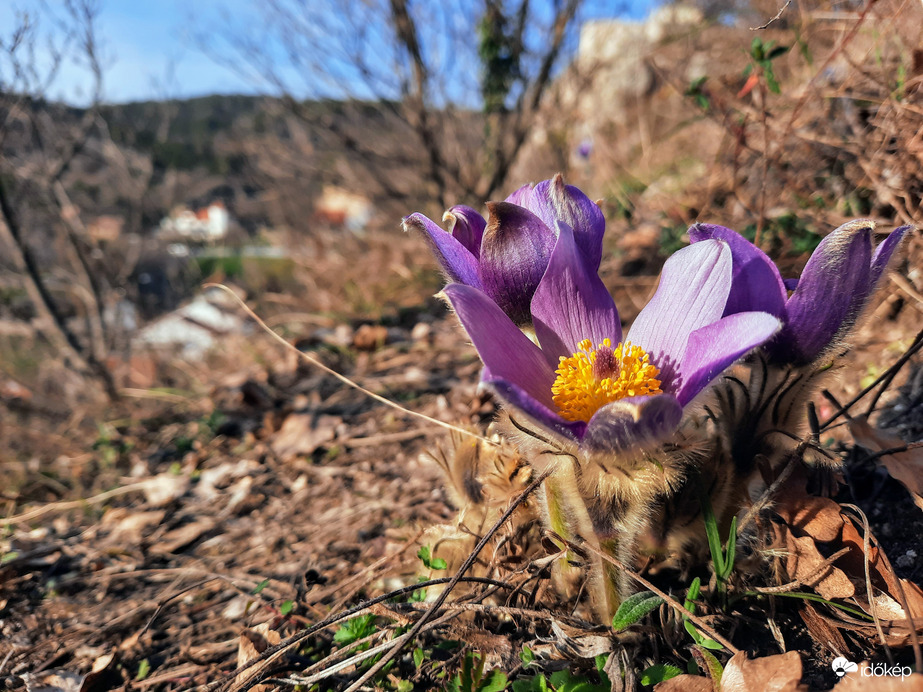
[
  {"x": 905, "y": 467},
  {"x": 53, "y": 681},
  {"x": 781, "y": 673},
  {"x": 370, "y": 337},
  {"x": 854, "y": 561},
  {"x": 805, "y": 563},
  {"x": 253, "y": 642},
  {"x": 164, "y": 488},
  {"x": 179, "y": 538},
  {"x": 127, "y": 527},
  {"x": 303, "y": 432},
  {"x": 817, "y": 517},
  {"x": 584, "y": 646},
  {"x": 96, "y": 680}
]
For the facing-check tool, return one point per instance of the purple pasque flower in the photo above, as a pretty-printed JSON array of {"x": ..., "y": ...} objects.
[
  {"x": 506, "y": 255},
  {"x": 824, "y": 303},
  {"x": 587, "y": 383}
]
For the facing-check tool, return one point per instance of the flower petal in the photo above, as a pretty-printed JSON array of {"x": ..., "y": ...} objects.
[
  {"x": 693, "y": 291},
  {"x": 456, "y": 261},
  {"x": 712, "y": 348},
  {"x": 466, "y": 226},
  {"x": 756, "y": 284},
  {"x": 571, "y": 303},
  {"x": 632, "y": 422},
  {"x": 522, "y": 197},
  {"x": 883, "y": 254},
  {"x": 519, "y": 400},
  {"x": 507, "y": 353},
  {"x": 514, "y": 254},
  {"x": 553, "y": 201},
  {"x": 830, "y": 294}
]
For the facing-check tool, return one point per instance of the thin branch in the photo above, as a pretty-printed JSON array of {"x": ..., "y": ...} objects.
[{"x": 777, "y": 16}]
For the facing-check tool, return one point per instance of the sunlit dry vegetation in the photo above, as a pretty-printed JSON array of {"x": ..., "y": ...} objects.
[{"x": 193, "y": 502}]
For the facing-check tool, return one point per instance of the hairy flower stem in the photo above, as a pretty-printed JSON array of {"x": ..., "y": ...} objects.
[{"x": 565, "y": 512}]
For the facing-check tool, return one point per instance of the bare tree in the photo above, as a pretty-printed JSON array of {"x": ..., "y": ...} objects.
[
  {"x": 459, "y": 84},
  {"x": 40, "y": 227}
]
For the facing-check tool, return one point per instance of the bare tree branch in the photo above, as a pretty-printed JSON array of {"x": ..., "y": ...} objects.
[
  {"x": 420, "y": 63},
  {"x": 56, "y": 145}
]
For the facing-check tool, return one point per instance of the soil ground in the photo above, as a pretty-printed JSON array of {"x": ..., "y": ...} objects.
[{"x": 280, "y": 496}]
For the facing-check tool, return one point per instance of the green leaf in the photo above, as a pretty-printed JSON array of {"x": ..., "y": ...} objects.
[
  {"x": 144, "y": 669},
  {"x": 634, "y": 608},
  {"x": 430, "y": 562},
  {"x": 495, "y": 682},
  {"x": 404, "y": 686},
  {"x": 286, "y": 607},
  {"x": 355, "y": 629},
  {"x": 712, "y": 665},
  {"x": 731, "y": 550},
  {"x": 658, "y": 673},
  {"x": 526, "y": 656},
  {"x": 818, "y": 599},
  {"x": 565, "y": 681},
  {"x": 756, "y": 49},
  {"x": 693, "y": 632},
  {"x": 537, "y": 683},
  {"x": 711, "y": 532},
  {"x": 424, "y": 554},
  {"x": 771, "y": 80},
  {"x": 418, "y": 657},
  {"x": 691, "y": 594},
  {"x": 259, "y": 587},
  {"x": 600, "y": 662},
  {"x": 700, "y": 638}
]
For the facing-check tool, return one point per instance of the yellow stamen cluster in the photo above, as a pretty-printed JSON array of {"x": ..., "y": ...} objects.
[{"x": 594, "y": 377}]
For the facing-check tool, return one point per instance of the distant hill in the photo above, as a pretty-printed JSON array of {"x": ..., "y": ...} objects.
[{"x": 266, "y": 159}]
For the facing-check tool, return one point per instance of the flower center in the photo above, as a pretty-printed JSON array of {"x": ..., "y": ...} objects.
[{"x": 594, "y": 377}]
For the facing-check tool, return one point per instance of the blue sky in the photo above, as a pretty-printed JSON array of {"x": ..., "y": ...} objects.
[{"x": 150, "y": 51}]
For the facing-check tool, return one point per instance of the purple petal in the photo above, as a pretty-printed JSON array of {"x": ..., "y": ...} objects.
[
  {"x": 553, "y": 201},
  {"x": 571, "y": 303},
  {"x": 884, "y": 252},
  {"x": 507, "y": 353},
  {"x": 693, "y": 291},
  {"x": 632, "y": 422},
  {"x": 790, "y": 284},
  {"x": 466, "y": 226},
  {"x": 712, "y": 348},
  {"x": 757, "y": 284},
  {"x": 514, "y": 254},
  {"x": 456, "y": 261},
  {"x": 830, "y": 294},
  {"x": 522, "y": 197},
  {"x": 518, "y": 399}
]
